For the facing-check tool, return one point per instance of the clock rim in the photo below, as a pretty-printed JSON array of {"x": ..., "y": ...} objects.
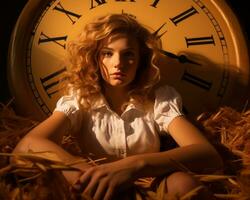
[
  {"x": 238, "y": 36},
  {"x": 18, "y": 43}
]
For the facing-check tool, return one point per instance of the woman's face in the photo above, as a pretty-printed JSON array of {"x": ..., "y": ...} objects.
[{"x": 118, "y": 60}]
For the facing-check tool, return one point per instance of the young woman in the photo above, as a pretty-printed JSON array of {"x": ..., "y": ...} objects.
[{"x": 115, "y": 108}]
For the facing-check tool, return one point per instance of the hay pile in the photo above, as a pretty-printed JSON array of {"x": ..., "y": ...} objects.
[{"x": 227, "y": 129}]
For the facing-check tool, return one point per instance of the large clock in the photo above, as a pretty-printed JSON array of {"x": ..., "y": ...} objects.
[{"x": 204, "y": 52}]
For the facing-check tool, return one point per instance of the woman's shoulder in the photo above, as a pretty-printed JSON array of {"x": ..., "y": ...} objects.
[
  {"x": 165, "y": 87},
  {"x": 67, "y": 104},
  {"x": 167, "y": 105},
  {"x": 165, "y": 91}
]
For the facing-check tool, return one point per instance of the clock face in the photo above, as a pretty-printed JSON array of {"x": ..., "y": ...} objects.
[{"x": 205, "y": 32}]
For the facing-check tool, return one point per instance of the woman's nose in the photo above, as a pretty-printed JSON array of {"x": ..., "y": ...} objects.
[{"x": 117, "y": 61}]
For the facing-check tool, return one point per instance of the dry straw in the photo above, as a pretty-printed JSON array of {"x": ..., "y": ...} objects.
[{"x": 227, "y": 129}]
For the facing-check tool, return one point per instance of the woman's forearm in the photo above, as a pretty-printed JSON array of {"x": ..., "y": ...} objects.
[
  {"x": 38, "y": 144},
  {"x": 46, "y": 137},
  {"x": 198, "y": 158}
]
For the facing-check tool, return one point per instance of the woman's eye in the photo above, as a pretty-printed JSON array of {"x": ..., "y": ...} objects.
[
  {"x": 107, "y": 54},
  {"x": 129, "y": 54}
]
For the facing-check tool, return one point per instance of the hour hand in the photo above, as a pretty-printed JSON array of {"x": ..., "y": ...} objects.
[{"x": 181, "y": 58}]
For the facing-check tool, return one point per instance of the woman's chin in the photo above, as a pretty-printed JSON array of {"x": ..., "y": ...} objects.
[{"x": 118, "y": 83}]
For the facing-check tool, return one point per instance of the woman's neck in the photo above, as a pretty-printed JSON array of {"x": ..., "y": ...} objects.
[{"x": 116, "y": 97}]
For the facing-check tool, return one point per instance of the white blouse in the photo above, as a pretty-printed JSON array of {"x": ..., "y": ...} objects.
[{"x": 102, "y": 132}]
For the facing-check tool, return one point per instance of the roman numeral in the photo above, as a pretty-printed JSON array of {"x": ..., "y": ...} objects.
[
  {"x": 68, "y": 13},
  {"x": 51, "y": 86},
  {"x": 154, "y": 4},
  {"x": 197, "y": 81},
  {"x": 44, "y": 39},
  {"x": 99, "y": 2},
  {"x": 184, "y": 15},
  {"x": 200, "y": 41},
  {"x": 156, "y": 33}
]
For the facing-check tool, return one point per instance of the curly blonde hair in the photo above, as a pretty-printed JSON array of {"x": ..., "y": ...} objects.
[{"x": 83, "y": 74}]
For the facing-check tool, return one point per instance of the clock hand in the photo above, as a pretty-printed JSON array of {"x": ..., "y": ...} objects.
[{"x": 181, "y": 58}]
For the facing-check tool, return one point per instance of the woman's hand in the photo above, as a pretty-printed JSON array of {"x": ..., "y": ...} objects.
[
  {"x": 102, "y": 181},
  {"x": 73, "y": 176}
]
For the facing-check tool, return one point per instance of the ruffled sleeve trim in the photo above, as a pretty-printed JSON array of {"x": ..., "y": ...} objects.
[
  {"x": 70, "y": 107},
  {"x": 168, "y": 105}
]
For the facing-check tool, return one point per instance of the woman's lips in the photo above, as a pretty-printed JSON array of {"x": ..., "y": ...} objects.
[{"x": 118, "y": 74}]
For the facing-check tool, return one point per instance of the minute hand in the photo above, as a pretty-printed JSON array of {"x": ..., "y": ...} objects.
[{"x": 181, "y": 58}]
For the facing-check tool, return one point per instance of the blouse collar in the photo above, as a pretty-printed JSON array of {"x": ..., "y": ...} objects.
[{"x": 102, "y": 103}]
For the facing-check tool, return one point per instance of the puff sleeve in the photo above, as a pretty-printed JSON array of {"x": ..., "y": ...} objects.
[
  {"x": 167, "y": 106},
  {"x": 69, "y": 106}
]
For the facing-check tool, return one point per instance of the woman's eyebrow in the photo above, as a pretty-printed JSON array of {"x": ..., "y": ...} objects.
[{"x": 108, "y": 48}]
